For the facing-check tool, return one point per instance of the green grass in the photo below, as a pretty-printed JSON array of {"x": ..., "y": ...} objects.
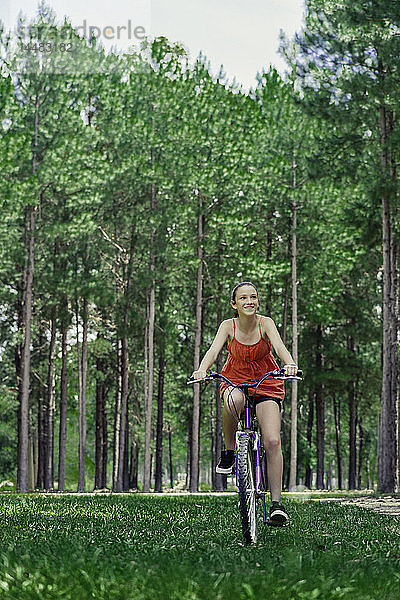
[{"x": 189, "y": 548}]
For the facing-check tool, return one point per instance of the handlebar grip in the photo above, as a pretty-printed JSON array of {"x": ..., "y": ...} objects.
[{"x": 191, "y": 380}]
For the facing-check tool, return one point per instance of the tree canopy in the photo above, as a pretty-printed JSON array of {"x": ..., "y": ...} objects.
[{"x": 136, "y": 191}]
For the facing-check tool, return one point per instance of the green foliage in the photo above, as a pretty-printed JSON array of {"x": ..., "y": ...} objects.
[{"x": 94, "y": 148}]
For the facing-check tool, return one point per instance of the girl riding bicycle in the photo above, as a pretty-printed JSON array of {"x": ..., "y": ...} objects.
[{"x": 250, "y": 337}]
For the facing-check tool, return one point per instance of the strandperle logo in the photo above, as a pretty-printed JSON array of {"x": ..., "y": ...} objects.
[
  {"x": 129, "y": 31},
  {"x": 112, "y": 32}
]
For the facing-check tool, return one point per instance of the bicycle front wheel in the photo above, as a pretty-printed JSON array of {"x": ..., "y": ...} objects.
[{"x": 246, "y": 477}]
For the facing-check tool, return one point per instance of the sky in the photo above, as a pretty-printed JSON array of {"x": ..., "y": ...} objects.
[{"x": 243, "y": 36}]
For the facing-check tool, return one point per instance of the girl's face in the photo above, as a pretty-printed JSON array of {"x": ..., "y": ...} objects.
[{"x": 246, "y": 300}]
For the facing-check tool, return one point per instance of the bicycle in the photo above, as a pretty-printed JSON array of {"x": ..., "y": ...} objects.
[{"x": 250, "y": 455}]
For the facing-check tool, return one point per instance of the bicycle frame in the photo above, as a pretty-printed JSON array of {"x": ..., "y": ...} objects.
[{"x": 247, "y": 427}]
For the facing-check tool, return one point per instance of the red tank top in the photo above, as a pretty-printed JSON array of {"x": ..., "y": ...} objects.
[{"x": 249, "y": 362}]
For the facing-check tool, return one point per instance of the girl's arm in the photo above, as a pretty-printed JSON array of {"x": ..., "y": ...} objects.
[
  {"x": 211, "y": 355},
  {"x": 269, "y": 327}
]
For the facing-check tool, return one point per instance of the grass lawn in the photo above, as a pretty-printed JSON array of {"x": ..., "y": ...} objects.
[{"x": 188, "y": 548}]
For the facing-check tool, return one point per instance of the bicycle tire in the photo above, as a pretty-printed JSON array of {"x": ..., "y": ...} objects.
[{"x": 248, "y": 501}]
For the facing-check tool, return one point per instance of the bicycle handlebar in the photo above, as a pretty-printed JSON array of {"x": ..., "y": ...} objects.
[{"x": 276, "y": 374}]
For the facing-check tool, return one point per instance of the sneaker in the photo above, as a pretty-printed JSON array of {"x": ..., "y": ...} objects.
[
  {"x": 277, "y": 515},
  {"x": 226, "y": 462}
]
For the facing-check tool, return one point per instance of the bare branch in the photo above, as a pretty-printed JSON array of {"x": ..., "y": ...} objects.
[{"x": 117, "y": 246}]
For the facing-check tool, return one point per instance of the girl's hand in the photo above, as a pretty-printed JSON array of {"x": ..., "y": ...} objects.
[
  {"x": 291, "y": 369},
  {"x": 199, "y": 374}
]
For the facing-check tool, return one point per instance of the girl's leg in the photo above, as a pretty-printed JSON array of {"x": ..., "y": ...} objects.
[
  {"x": 233, "y": 406},
  {"x": 269, "y": 418}
]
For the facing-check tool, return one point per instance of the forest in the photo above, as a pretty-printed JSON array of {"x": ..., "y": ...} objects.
[{"x": 137, "y": 189}]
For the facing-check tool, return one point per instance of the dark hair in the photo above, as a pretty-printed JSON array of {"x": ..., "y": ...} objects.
[{"x": 233, "y": 297}]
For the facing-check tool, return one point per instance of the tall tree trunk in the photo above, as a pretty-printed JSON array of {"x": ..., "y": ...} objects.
[
  {"x": 388, "y": 443},
  {"x": 360, "y": 453},
  {"x": 329, "y": 477},
  {"x": 268, "y": 300},
  {"x": 285, "y": 310},
  {"x": 320, "y": 414},
  {"x": 83, "y": 357},
  {"x": 123, "y": 478},
  {"x": 160, "y": 421},
  {"x": 123, "y": 430},
  {"x": 100, "y": 479},
  {"x": 117, "y": 415},
  {"x": 41, "y": 409},
  {"x": 134, "y": 466},
  {"x": 146, "y": 356},
  {"x": 171, "y": 470},
  {"x": 126, "y": 473},
  {"x": 336, "y": 413},
  {"x": 31, "y": 464},
  {"x": 293, "y": 428},
  {"x": 105, "y": 443},
  {"x": 220, "y": 480},
  {"x": 195, "y": 449},
  {"x": 49, "y": 414},
  {"x": 79, "y": 368},
  {"x": 27, "y": 298},
  {"x": 62, "y": 442},
  {"x": 395, "y": 337},
  {"x": 160, "y": 393},
  {"x": 19, "y": 347},
  {"x": 188, "y": 453},
  {"x": 212, "y": 443},
  {"x": 310, "y": 424},
  {"x": 352, "y": 435},
  {"x": 118, "y": 352},
  {"x": 35, "y": 455},
  {"x": 27, "y": 301},
  {"x": 99, "y": 428},
  {"x": 149, "y": 406}
]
